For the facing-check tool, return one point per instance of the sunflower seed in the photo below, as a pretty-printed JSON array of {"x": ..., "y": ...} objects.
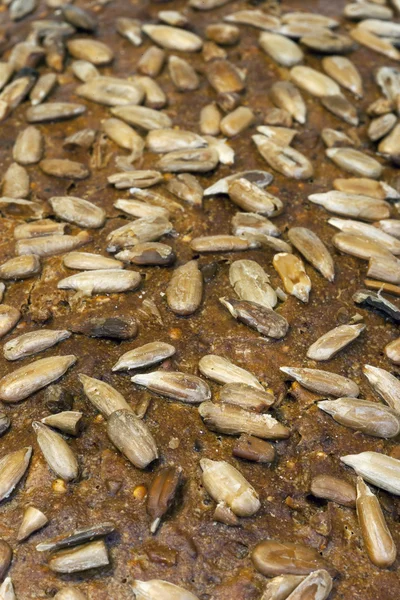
[
  {"x": 137, "y": 208},
  {"x": 69, "y": 593},
  {"x": 53, "y": 111},
  {"x": 366, "y": 187},
  {"x": 139, "y": 231},
  {"x": 25, "y": 55},
  {"x": 237, "y": 121},
  {"x": 341, "y": 108},
  {"x": 86, "y": 261},
  {"x": 333, "y": 489},
  {"x": 33, "y": 342},
  {"x": 5, "y": 423},
  {"x": 185, "y": 289},
  {"x": 323, "y": 382},
  {"x": 119, "y": 328},
  {"x": 156, "y": 589},
  {"x": 78, "y": 211},
  {"x": 281, "y": 49},
  {"x": 155, "y": 95},
  {"x": 223, "y": 371},
  {"x": 233, "y": 420},
  {"x": 15, "y": 183},
  {"x": 84, "y": 138},
  {"x": 197, "y": 161},
  {"x": 388, "y": 79},
  {"x": 252, "y": 448},
  {"x": 251, "y": 283},
  {"x": 328, "y": 42},
  {"x": 316, "y": 586},
  {"x": 64, "y": 168},
  {"x": 259, "y": 178},
  {"x": 381, "y": 126},
  {"x": 101, "y": 281},
  {"x": 6, "y": 71},
  {"x": 334, "y": 341},
  {"x": 111, "y": 91},
  {"x": 69, "y": 422},
  {"x": 51, "y": 245},
  {"x": 32, "y": 521},
  {"x": 226, "y": 154},
  {"x": 167, "y": 140},
  {"x": 386, "y": 29},
  {"x": 20, "y": 267},
  {"x": 375, "y": 43},
  {"x": 224, "y": 77},
  {"x": 220, "y": 243},
  {"x": 352, "y": 205},
  {"x": 315, "y": 83},
  {"x": 385, "y": 384},
  {"x": 381, "y": 106},
  {"x": 129, "y": 29},
  {"x": 287, "y": 161},
  {"x": 390, "y": 144},
  {"x": 21, "y": 8},
  {"x": 12, "y": 468},
  {"x": 278, "y": 117},
  {"x": 17, "y": 206},
  {"x": 367, "y": 10},
  {"x": 256, "y": 18},
  {"x": 132, "y": 437},
  {"x": 390, "y": 226},
  {"x": 173, "y": 38},
  {"x": 279, "y": 588},
  {"x": 175, "y": 385},
  {"x": 151, "y": 253},
  {"x": 376, "y": 468},
  {"x": 369, "y": 231},
  {"x": 313, "y": 250},
  {"x": 28, "y": 148},
  {"x": 344, "y": 72},
  {"x": 293, "y": 274},
  {"x": 136, "y": 179},
  {"x": 281, "y": 136},
  {"x": 58, "y": 455},
  {"x": 76, "y": 538},
  {"x": 9, "y": 317},
  {"x": 143, "y": 117},
  {"x": 246, "y": 397},
  {"x": 144, "y": 356},
  {"x": 369, "y": 299},
  {"x": 226, "y": 484},
  {"x": 102, "y": 395},
  {"x": 253, "y": 224},
  {"x": 251, "y": 197},
  {"x": 210, "y": 119},
  {"x": 258, "y": 317},
  {"x": 182, "y": 74},
  {"x": 80, "y": 558},
  {"x": 91, "y": 50},
  {"x": 223, "y": 34},
  {"x": 123, "y": 135},
  {"x": 392, "y": 351},
  {"x": 14, "y": 93},
  {"x": 360, "y": 246},
  {"x": 286, "y": 96},
  {"x": 151, "y": 62},
  {"x": 276, "y": 558},
  {"x": 84, "y": 70},
  {"x": 6, "y": 556},
  {"x": 384, "y": 269}
]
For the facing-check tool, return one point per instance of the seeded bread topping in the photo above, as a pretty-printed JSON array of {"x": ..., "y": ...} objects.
[{"x": 199, "y": 282}]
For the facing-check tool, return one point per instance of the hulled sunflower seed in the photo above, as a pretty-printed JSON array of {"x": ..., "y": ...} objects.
[
  {"x": 250, "y": 197},
  {"x": 233, "y": 420},
  {"x": 366, "y": 187},
  {"x": 84, "y": 138},
  {"x": 279, "y": 588},
  {"x": 138, "y": 232},
  {"x": 226, "y": 484},
  {"x": 20, "y": 267},
  {"x": 143, "y": 117},
  {"x": 162, "y": 492},
  {"x": 151, "y": 61},
  {"x": 175, "y": 385},
  {"x": 186, "y": 187},
  {"x": 102, "y": 395},
  {"x": 278, "y": 117},
  {"x": 77, "y": 537},
  {"x": 6, "y": 556},
  {"x": 360, "y": 246},
  {"x": 42, "y": 88},
  {"x": 287, "y": 160},
  {"x": 292, "y": 272},
  {"x": 344, "y": 72},
  {"x": 381, "y": 126},
  {"x": 281, "y": 49},
  {"x": 333, "y": 489},
  {"x": 226, "y": 154},
  {"x": 7, "y": 591},
  {"x": 85, "y": 261},
  {"x": 237, "y": 121},
  {"x": 314, "y": 251},
  {"x": 32, "y": 521},
  {"x": 124, "y": 136},
  {"x": 377, "y": 538},
  {"x": 256, "y": 18},
  {"x": 389, "y": 146},
  {"x": 144, "y": 356},
  {"x": 156, "y": 199},
  {"x": 285, "y": 558},
  {"x": 385, "y": 384},
  {"x": 264, "y": 320},
  {"x": 136, "y": 179},
  {"x": 84, "y": 70},
  {"x": 139, "y": 209},
  {"x": 173, "y": 38},
  {"x": 251, "y": 283},
  {"x": 316, "y": 586},
  {"x": 15, "y": 182},
  {"x": 101, "y": 281},
  {"x": 69, "y": 593},
  {"x": 388, "y": 79},
  {"x": 173, "y": 17},
  {"x": 59, "y": 456},
  {"x": 69, "y": 422},
  {"x": 391, "y": 227},
  {"x": 281, "y": 136},
  {"x": 111, "y": 91},
  {"x": 87, "y": 556},
  {"x": 220, "y": 243},
  {"x": 392, "y": 351},
  {"x": 53, "y": 111},
  {"x": 222, "y": 370},
  {"x": 29, "y": 145},
  {"x": 157, "y": 589},
  {"x": 51, "y": 245},
  {"x": 195, "y": 161},
  {"x": 91, "y": 50},
  {"x": 355, "y": 162},
  {"x": 132, "y": 437},
  {"x": 323, "y": 382},
  {"x": 276, "y": 244},
  {"x": 182, "y": 74},
  {"x": 224, "y": 77},
  {"x": 33, "y": 342},
  {"x": 253, "y": 224},
  {"x": 367, "y": 10},
  {"x": 369, "y": 231},
  {"x": 352, "y": 205},
  {"x": 252, "y": 448},
  {"x": 334, "y": 341},
  {"x": 119, "y": 328},
  {"x": 23, "y": 382},
  {"x": 14, "y": 93},
  {"x": 35, "y": 210},
  {"x": 315, "y": 83},
  {"x": 167, "y": 140},
  {"x": 246, "y": 397},
  {"x": 38, "y": 229},
  {"x": 12, "y": 468},
  {"x": 375, "y": 43},
  {"x": 260, "y": 178},
  {"x": 342, "y": 108},
  {"x": 327, "y": 42},
  {"x": 376, "y": 468},
  {"x": 285, "y": 95},
  {"x": 64, "y": 168},
  {"x": 384, "y": 269},
  {"x": 210, "y": 119},
  {"x": 311, "y": 19},
  {"x": 129, "y": 29},
  {"x": 185, "y": 289},
  {"x": 78, "y": 211},
  {"x": 150, "y": 253}
]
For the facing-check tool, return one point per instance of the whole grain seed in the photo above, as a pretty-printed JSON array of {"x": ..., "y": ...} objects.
[
  {"x": 333, "y": 489},
  {"x": 332, "y": 342},
  {"x": 259, "y": 178},
  {"x": 150, "y": 253},
  {"x": 132, "y": 437},
  {"x": 381, "y": 106},
  {"x": 256, "y": 18},
  {"x": 33, "y": 342},
  {"x": 384, "y": 269},
  {"x": 79, "y": 18},
  {"x": 385, "y": 29},
  {"x": 155, "y": 96},
  {"x": 223, "y": 371},
  {"x": 9, "y": 317},
  {"x": 367, "y": 10},
  {"x": 123, "y": 135},
  {"x": 375, "y": 43},
  {"x": 58, "y": 455},
  {"x": 29, "y": 146},
  {"x": 186, "y": 187},
  {"x": 392, "y": 351},
  {"x": 51, "y": 245},
  {"x": 185, "y": 289},
  {"x": 249, "y": 223},
  {"x": 389, "y": 146},
  {"x": 12, "y": 468},
  {"x": 5, "y": 423},
  {"x": 173, "y": 17},
  {"x": 323, "y": 382},
  {"x": 173, "y": 38},
  {"x": 7, "y": 589},
  {"x": 282, "y": 136},
  {"x": 385, "y": 384},
  {"x": 111, "y": 91},
  {"x": 220, "y": 243},
  {"x": 278, "y": 117},
  {"x": 381, "y": 126},
  {"x": 223, "y": 33},
  {"x": 251, "y": 283},
  {"x": 93, "y": 51},
  {"x": 139, "y": 209},
  {"x": 327, "y": 42},
  {"x": 6, "y": 556},
  {"x": 14, "y": 93},
  {"x": 310, "y": 18},
  {"x": 210, "y": 119},
  {"x": 285, "y": 558},
  {"x": 167, "y": 140},
  {"x": 70, "y": 593},
  {"x": 135, "y": 179},
  {"x": 84, "y": 138},
  {"x": 369, "y": 231},
  {"x": 391, "y": 227},
  {"x": 137, "y": 232},
  {"x": 388, "y": 79},
  {"x": 196, "y": 161},
  {"x": 376, "y": 468},
  {"x": 366, "y": 187},
  {"x": 175, "y": 385},
  {"x": 226, "y": 154},
  {"x": 252, "y": 448},
  {"x": 224, "y": 76}
]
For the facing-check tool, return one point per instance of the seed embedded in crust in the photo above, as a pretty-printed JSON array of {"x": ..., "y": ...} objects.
[{"x": 132, "y": 437}]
